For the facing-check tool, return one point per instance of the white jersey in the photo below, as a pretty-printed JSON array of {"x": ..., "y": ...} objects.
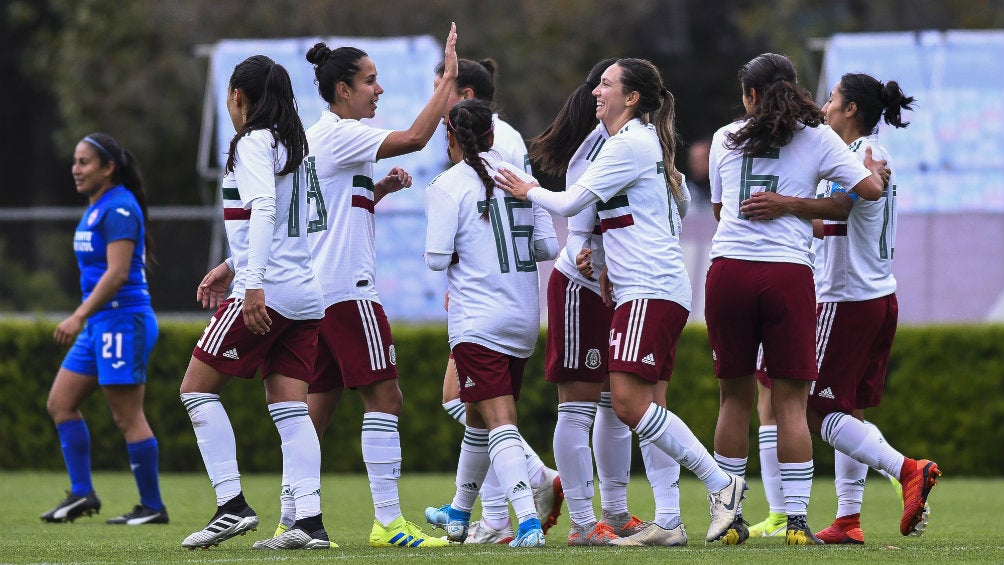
[
  {"x": 586, "y": 223},
  {"x": 493, "y": 280},
  {"x": 859, "y": 252},
  {"x": 342, "y": 228},
  {"x": 290, "y": 286},
  {"x": 640, "y": 228},
  {"x": 509, "y": 144},
  {"x": 793, "y": 170}
]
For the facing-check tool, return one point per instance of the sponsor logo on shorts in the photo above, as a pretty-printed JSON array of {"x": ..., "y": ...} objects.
[
  {"x": 593, "y": 359},
  {"x": 648, "y": 359},
  {"x": 231, "y": 353},
  {"x": 118, "y": 364},
  {"x": 714, "y": 355},
  {"x": 469, "y": 383},
  {"x": 392, "y": 354},
  {"x": 826, "y": 393}
]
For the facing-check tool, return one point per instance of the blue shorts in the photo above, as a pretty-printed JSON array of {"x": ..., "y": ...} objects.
[{"x": 114, "y": 347}]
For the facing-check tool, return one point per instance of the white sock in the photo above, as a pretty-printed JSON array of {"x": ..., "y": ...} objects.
[
  {"x": 457, "y": 410},
  {"x": 849, "y": 481},
  {"x": 534, "y": 465},
  {"x": 506, "y": 449},
  {"x": 494, "y": 505},
  {"x": 612, "y": 450},
  {"x": 575, "y": 459},
  {"x": 301, "y": 455},
  {"x": 381, "y": 444},
  {"x": 471, "y": 468},
  {"x": 217, "y": 443},
  {"x": 881, "y": 437},
  {"x": 669, "y": 433},
  {"x": 735, "y": 466},
  {"x": 287, "y": 506},
  {"x": 663, "y": 474},
  {"x": 853, "y": 437},
  {"x": 796, "y": 482},
  {"x": 770, "y": 474}
]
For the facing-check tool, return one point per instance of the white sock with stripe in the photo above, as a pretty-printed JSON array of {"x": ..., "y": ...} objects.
[
  {"x": 854, "y": 438},
  {"x": 457, "y": 410},
  {"x": 663, "y": 474},
  {"x": 612, "y": 450},
  {"x": 796, "y": 482},
  {"x": 505, "y": 447},
  {"x": 471, "y": 468},
  {"x": 301, "y": 455},
  {"x": 381, "y": 445},
  {"x": 770, "y": 474},
  {"x": 735, "y": 466},
  {"x": 669, "y": 433},
  {"x": 217, "y": 444},
  {"x": 575, "y": 459}
]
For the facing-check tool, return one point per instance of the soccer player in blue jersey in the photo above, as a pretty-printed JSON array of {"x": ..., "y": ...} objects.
[{"x": 111, "y": 333}]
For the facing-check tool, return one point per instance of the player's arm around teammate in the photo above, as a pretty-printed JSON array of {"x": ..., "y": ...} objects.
[{"x": 632, "y": 182}]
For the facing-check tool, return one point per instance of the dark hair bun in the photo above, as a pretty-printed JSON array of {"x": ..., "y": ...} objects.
[
  {"x": 490, "y": 65},
  {"x": 318, "y": 54}
]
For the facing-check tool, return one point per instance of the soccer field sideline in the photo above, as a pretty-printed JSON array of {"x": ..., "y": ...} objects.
[{"x": 962, "y": 529}]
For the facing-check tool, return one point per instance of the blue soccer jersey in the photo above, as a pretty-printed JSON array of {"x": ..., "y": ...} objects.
[{"x": 115, "y": 216}]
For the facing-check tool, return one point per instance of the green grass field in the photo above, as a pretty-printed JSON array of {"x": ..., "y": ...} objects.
[{"x": 964, "y": 526}]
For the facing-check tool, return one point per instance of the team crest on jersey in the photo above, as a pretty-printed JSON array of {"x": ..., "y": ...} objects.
[
  {"x": 93, "y": 217},
  {"x": 593, "y": 359},
  {"x": 392, "y": 355}
]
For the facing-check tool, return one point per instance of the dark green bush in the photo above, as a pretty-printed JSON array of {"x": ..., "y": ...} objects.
[{"x": 943, "y": 401}]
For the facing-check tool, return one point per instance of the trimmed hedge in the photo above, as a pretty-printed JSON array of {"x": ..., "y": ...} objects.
[{"x": 944, "y": 400}]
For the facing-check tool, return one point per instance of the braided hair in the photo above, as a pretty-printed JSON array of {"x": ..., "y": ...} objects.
[{"x": 470, "y": 122}]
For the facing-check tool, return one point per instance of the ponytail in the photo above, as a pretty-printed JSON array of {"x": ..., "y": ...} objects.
[
  {"x": 269, "y": 93},
  {"x": 875, "y": 100}
]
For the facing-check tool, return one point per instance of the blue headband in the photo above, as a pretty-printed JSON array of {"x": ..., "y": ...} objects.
[{"x": 101, "y": 148}]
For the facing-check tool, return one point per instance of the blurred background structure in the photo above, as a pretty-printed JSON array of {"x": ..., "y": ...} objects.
[{"x": 136, "y": 70}]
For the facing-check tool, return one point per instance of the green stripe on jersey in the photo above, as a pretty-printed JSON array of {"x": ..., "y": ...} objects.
[
  {"x": 619, "y": 201},
  {"x": 231, "y": 193}
]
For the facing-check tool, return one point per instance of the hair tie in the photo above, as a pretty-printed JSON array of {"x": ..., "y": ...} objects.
[
  {"x": 450, "y": 126},
  {"x": 101, "y": 148},
  {"x": 490, "y": 129},
  {"x": 664, "y": 91}
]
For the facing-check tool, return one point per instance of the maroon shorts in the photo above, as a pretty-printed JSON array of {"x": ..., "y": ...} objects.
[
  {"x": 484, "y": 374},
  {"x": 354, "y": 347},
  {"x": 643, "y": 337},
  {"x": 578, "y": 325},
  {"x": 229, "y": 347},
  {"x": 748, "y": 303},
  {"x": 853, "y": 341}
]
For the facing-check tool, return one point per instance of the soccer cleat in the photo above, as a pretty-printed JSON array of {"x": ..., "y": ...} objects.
[
  {"x": 773, "y": 525},
  {"x": 438, "y": 517},
  {"x": 843, "y": 530},
  {"x": 402, "y": 533},
  {"x": 624, "y": 524},
  {"x": 597, "y": 534},
  {"x": 141, "y": 515},
  {"x": 530, "y": 534},
  {"x": 917, "y": 484},
  {"x": 548, "y": 498},
  {"x": 73, "y": 507},
  {"x": 225, "y": 524},
  {"x": 724, "y": 506},
  {"x": 480, "y": 533},
  {"x": 921, "y": 526},
  {"x": 652, "y": 534},
  {"x": 296, "y": 538},
  {"x": 798, "y": 532},
  {"x": 737, "y": 533}
]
